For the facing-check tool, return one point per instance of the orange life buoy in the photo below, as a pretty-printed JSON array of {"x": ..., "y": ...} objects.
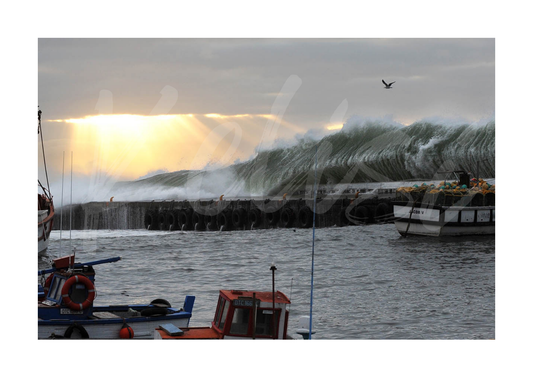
[{"x": 78, "y": 278}]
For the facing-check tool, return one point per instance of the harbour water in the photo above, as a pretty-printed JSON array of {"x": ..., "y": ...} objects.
[{"x": 369, "y": 282}]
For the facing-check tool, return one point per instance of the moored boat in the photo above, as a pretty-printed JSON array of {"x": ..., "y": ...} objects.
[
  {"x": 66, "y": 308},
  {"x": 463, "y": 207},
  {"x": 45, "y": 206},
  {"x": 240, "y": 314},
  {"x": 45, "y": 219}
]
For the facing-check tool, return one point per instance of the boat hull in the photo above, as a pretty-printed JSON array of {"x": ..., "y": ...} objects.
[
  {"x": 428, "y": 220},
  {"x": 44, "y": 227},
  {"x": 109, "y": 328}
]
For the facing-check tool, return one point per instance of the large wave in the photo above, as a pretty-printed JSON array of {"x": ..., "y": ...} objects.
[{"x": 363, "y": 151}]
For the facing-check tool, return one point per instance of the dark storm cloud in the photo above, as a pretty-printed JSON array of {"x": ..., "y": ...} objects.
[{"x": 435, "y": 77}]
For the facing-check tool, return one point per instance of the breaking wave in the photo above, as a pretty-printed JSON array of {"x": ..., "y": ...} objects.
[{"x": 363, "y": 151}]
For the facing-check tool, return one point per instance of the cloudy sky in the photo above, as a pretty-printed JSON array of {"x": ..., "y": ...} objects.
[
  {"x": 132, "y": 107},
  {"x": 444, "y": 77}
]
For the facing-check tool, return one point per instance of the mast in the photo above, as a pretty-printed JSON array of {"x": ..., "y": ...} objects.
[
  {"x": 274, "y": 333},
  {"x": 61, "y": 214},
  {"x": 70, "y": 214},
  {"x": 313, "y": 247},
  {"x": 40, "y": 132}
]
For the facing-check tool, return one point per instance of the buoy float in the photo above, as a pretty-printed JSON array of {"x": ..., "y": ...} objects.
[{"x": 126, "y": 332}]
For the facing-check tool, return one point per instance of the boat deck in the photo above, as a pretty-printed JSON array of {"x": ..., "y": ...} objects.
[{"x": 196, "y": 333}]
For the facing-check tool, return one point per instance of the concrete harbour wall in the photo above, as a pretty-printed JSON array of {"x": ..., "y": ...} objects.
[{"x": 224, "y": 214}]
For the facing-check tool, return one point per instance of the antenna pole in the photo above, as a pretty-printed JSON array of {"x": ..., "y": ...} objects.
[
  {"x": 274, "y": 333},
  {"x": 70, "y": 215},
  {"x": 313, "y": 247},
  {"x": 61, "y": 217}
]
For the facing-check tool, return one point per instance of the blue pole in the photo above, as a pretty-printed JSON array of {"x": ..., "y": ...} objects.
[
  {"x": 79, "y": 265},
  {"x": 313, "y": 248}
]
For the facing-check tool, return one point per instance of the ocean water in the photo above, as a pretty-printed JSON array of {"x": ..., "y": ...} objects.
[{"x": 369, "y": 282}]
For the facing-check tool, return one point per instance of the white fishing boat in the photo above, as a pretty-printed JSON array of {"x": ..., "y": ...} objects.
[
  {"x": 66, "y": 307},
  {"x": 45, "y": 220},
  {"x": 459, "y": 208},
  {"x": 424, "y": 219}
]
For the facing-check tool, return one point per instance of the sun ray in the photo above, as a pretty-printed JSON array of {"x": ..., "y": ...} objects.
[{"x": 127, "y": 146}]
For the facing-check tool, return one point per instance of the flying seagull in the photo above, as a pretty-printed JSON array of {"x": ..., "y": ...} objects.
[{"x": 388, "y": 86}]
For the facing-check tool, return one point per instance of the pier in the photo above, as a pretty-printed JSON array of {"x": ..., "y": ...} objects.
[{"x": 229, "y": 215}]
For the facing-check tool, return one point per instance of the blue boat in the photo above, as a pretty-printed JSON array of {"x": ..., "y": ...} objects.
[{"x": 66, "y": 309}]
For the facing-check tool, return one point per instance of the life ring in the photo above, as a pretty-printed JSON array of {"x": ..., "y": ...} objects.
[
  {"x": 305, "y": 217},
  {"x": 287, "y": 217},
  {"x": 67, "y": 301},
  {"x": 255, "y": 217},
  {"x": 83, "y": 332},
  {"x": 239, "y": 217}
]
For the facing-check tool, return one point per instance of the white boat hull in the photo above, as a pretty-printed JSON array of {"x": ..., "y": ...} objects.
[
  {"x": 430, "y": 220},
  {"x": 43, "y": 230},
  {"x": 141, "y": 330}
]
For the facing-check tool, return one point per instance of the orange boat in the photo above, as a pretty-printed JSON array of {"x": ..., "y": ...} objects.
[{"x": 239, "y": 315}]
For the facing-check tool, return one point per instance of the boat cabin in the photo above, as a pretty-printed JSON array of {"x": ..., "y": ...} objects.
[
  {"x": 67, "y": 293},
  {"x": 240, "y": 314}
]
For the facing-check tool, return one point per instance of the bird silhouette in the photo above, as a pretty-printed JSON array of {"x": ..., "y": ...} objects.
[{"x": 387, "y": 86}]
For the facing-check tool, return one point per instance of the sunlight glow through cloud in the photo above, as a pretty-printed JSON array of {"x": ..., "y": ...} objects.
[{"x": 128, "y": 146}]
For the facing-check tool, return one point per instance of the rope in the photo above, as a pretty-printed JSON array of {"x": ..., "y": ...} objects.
[
  {"x": 40, "y": 132},
  {"x": 409, "y": 223}
]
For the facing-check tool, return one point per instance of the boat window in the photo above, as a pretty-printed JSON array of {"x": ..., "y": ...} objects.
[
  {"x": 55, "y": 289},
  {"x": 239, "y": 324},
  {"x": 263, "y": 323},
  {"x": 224, "y": 315},
  {"x": 219, "y": 310}
]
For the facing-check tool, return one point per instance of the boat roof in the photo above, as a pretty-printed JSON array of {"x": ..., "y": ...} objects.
[{"x": 263, "y": 296}]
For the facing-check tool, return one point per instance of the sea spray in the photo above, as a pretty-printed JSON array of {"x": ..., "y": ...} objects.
[{"x": 365, "y": 150}]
